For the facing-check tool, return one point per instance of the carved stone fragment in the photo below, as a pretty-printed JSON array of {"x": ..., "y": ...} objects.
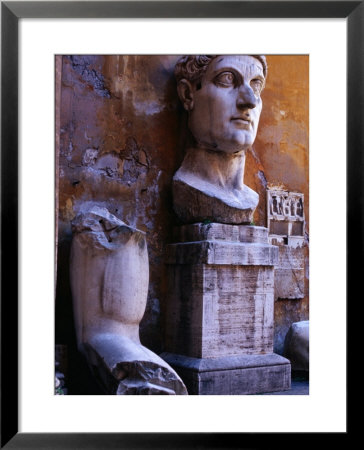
[
  {"x": 109, "y": 281},
  {"x": 285, "y": 217},
  {"x": 289, "y": 274},
  {"x": 286, "y": 224},
  {"x": 296, "y": 346}
]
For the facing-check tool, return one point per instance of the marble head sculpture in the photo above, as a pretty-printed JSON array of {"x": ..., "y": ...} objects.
[{"x": 222, "y": 95}]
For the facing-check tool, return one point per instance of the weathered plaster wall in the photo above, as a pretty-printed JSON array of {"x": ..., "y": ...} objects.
[
  {"x": 282, "y": 146},
  {"x": 122, "y": 135}
]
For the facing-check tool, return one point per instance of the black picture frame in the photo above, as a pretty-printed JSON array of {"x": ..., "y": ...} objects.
[{"x": 11, "y": 12}]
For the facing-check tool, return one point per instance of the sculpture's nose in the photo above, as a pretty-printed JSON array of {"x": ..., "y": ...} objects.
[{"x": 246, "y": 98}]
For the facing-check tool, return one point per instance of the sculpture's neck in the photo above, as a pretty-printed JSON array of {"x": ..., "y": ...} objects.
[{"x": 218, "y": 168}]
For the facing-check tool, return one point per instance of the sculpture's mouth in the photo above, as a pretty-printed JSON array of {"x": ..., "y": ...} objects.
[{"x": 242, "y": 121}]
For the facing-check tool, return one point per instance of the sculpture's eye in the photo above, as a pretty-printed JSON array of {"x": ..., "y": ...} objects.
[
  {"x": 225, "y": 79},
  {"x": 257, "y": 85}
]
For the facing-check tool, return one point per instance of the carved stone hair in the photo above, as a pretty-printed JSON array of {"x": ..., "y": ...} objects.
[{"x": 193, "y": 67}]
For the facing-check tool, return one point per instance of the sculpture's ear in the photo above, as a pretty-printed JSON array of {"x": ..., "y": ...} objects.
[{"x": 185, "y": 92}]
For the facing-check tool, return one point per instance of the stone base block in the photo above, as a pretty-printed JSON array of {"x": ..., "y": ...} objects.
[
  {"x": 232, "y": 375},
  {"x": 220, "y": 291}
]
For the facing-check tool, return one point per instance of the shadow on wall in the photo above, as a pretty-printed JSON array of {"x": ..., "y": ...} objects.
[{"x": 79, "y": 380}]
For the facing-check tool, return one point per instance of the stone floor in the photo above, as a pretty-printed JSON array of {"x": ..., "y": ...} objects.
[{"x": 299, "y": 386}]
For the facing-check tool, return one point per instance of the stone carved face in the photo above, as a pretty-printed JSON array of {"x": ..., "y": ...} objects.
[{"x": 224, "y": 108}]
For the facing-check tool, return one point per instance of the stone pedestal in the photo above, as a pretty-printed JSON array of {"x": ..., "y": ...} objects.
[
  {"x": 220, "y": 310},
  {"x": 232, "y": 375}
]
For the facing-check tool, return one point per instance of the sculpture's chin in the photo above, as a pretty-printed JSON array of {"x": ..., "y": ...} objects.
[{"x": 235, "y": 144}]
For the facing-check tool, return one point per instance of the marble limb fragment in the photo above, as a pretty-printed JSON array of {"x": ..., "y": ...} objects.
[{"x": 109, "y": 272}]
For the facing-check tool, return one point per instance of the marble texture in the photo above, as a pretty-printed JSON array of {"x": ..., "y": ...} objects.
[{"x": 109, "y": 274}]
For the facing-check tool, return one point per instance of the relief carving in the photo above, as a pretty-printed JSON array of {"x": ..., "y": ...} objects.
[
  {"x": 286, "y": 224},
  {"x": 285, "y": 205}
]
